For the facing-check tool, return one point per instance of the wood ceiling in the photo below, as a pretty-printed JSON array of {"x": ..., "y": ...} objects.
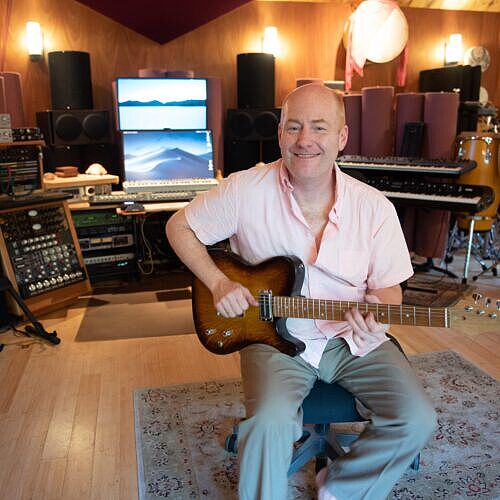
[{"x": 163, "y": 21}]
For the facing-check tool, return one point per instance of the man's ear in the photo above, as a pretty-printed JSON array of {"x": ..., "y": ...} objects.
[
  {"x": 280, "y": 130},
  {"x": 343, "y": 135}
]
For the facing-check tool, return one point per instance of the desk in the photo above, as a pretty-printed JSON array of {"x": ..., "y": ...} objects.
[{"x": 79, "y": 181}]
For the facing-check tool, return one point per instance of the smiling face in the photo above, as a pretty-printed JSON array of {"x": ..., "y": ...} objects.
[{"x": 312, "y": 130}]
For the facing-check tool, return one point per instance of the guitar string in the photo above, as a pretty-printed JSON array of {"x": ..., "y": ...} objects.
[{"x": 300, "y": 305}]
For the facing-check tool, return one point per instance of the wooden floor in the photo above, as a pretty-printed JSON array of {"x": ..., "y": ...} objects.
[{"x": 66, "y": 411}]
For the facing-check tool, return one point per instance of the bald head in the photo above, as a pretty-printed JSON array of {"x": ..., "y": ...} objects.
[{"x": 312, "y": 94}]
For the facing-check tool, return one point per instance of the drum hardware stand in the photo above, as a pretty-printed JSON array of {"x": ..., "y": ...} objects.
[
  {"x": 480, "y": 245},
  {"x": 36, "y": 327}
]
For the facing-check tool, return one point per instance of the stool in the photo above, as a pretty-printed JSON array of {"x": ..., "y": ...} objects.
[{"x": 320, "y": 441}]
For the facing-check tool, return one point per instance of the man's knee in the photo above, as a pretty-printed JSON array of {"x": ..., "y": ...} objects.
[
  {"x": 421, "y": 422},
  {"x": 272, "y": 420}
]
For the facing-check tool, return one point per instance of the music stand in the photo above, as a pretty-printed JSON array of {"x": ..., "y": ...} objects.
[{"x": 37, "y": 328}]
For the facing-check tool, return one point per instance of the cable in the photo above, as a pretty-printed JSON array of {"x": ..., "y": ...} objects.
[{"x": 149, "y": 251}]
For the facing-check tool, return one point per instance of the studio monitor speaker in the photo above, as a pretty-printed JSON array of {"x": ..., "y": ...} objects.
[
  {"x": 253, "y": 124},
  {"x": 77, "y": 126},
  {"x": 70, "y": 81},
  {"x": 255, "y": 80},
  {"x": 251, "y": 137}
]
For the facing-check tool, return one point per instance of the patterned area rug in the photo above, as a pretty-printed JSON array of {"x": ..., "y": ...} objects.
[{"x": 180, "y": 432}]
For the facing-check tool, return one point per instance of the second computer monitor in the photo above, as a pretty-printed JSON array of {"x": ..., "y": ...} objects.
[
  {"x": 161, "y": 103},
  {"x": 155, "y": 155}
]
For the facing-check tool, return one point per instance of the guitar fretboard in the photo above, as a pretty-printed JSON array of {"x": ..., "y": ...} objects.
[{"x": 300, "y": 307}]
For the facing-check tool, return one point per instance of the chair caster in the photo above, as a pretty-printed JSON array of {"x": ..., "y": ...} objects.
[
  {"x": 231, "y": 442},
  {"x": 415, "y": 465}
]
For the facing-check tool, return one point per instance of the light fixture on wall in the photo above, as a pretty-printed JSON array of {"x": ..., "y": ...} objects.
[
  {"x": 270, "y": 41},
  {"x": 34, "y": 40},
  {"x": 453, "y": 50}
]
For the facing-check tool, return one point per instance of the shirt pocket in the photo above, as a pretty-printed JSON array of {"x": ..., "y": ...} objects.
[{"x": 349, "y": 266}]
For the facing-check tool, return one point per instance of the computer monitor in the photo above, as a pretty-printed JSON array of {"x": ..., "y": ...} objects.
[
  {"x": 161, "y": 103},
  {"x": 166, "y": 154}
]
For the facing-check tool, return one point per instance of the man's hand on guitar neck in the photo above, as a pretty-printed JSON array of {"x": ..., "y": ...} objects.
[
  {"x": 365, "y": 330},
  {"x": 231, "y": 298}
]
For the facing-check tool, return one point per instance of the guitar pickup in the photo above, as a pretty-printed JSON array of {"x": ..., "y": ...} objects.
[{"x": 266, "y": 305}]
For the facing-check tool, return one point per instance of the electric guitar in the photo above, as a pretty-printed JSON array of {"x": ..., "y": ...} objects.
[{"x": 277, "y": 282}]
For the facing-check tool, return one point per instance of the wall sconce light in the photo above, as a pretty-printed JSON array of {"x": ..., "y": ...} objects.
[
  {"x": 34, "y": 40},
  {"x": 270, "y": 41},
  {"x": 453, "y": 50}
]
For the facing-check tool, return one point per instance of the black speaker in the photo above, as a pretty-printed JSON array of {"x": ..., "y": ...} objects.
[
  {"x": 70, "y": 81},
  {"x": 75, "y": 126},
  {"x": 253, "y": 124},
  {"x": 242, "y": 154},
  {"x": 63, "y": 156},
  {"x": 255, "y": 73}
]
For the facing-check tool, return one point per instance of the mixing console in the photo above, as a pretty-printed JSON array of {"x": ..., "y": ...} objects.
[{"x": 40, "y": 248}]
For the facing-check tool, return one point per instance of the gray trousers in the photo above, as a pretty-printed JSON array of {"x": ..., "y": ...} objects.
[{"x": 276, "y": 384}]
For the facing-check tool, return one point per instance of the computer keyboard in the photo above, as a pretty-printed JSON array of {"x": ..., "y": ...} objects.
[
  {"x": 167, "y": 185},
  {"x": 119, "y": 197}
]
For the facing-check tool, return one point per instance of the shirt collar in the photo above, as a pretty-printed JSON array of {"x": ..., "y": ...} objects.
[{"x": 334, "y": 214}]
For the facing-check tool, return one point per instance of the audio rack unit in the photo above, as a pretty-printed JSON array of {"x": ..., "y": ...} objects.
[
  {"x": 107, "y": 240},
  {"x": 20, "y": 168},
  {"x": 41, "y": 256}
]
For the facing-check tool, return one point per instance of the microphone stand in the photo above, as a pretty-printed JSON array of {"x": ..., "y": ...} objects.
[{"x": 36, "y": 327}]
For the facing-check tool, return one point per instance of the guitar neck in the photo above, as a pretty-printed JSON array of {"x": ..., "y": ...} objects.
[{"x": 300, "y": 307}]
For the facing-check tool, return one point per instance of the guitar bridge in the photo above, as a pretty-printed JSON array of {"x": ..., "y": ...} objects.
[{"x": 266, "y": 305}]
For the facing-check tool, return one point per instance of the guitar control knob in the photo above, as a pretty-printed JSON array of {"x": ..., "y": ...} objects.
[
  {"x": 220, "y": 344},
  {"x": 210, "y": 331},
  {"x": 227, "y": 333}
]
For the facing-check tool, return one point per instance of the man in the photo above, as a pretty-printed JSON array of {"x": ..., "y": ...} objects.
[{"x": 348, "y": 236}]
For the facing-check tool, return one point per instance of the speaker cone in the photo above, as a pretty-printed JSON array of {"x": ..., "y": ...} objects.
[
  {"x": 266, "y": 124},
  {"x": 241, "y": 124},
  {"x": 67, "y": 127},
  {"x": 95, "y": 126}
]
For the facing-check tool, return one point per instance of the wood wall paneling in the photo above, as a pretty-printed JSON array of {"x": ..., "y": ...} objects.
[{"x": 310, "y": 33}]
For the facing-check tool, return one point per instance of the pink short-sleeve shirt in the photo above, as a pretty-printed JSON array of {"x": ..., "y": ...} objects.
[{"x": 362, "y": 246}]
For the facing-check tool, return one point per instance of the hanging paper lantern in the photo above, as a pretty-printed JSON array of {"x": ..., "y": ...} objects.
[{"x": 376, "y": 31}]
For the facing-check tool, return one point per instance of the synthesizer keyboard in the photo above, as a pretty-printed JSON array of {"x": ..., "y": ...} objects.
[
  {"x": 404, "y": 164},
  {"x": 120, "y": 197},
  {"x": 165, "y": 186},
  {"x": 445, "y": 196}
]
